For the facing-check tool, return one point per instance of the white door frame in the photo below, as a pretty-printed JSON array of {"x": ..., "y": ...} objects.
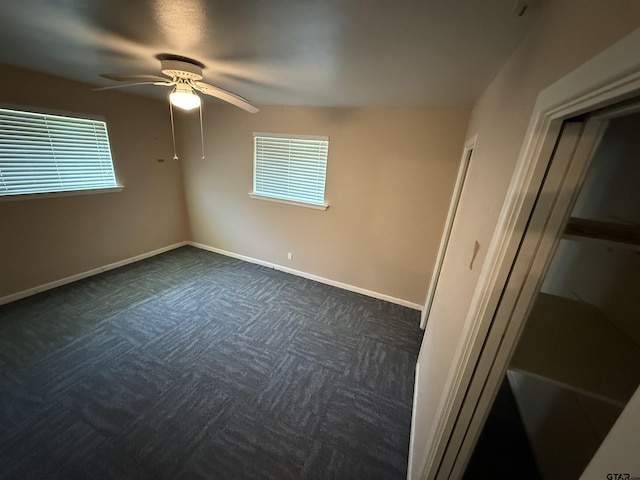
[
  {"x": 552, "y": 209},
  {"x": 467, "y": 153},
  {"x": 609, "y": 77}
]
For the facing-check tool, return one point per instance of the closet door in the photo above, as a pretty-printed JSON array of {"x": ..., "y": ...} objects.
[
  {"x": 574, "y": 150},
  {"x": 577, "y": 365},
  {"x": 576, "y": 281}
]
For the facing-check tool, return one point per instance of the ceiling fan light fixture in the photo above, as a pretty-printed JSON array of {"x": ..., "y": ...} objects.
[{"x": 184, "y": 97}]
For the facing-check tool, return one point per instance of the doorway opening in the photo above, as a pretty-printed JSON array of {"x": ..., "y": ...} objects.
[
  {"x": 440, "y": 449},
  {"x": 467, "y": 154},
  {"x": 577, "y": 361}
]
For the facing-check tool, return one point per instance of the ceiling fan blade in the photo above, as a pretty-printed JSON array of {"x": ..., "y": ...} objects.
[
  {"x": 123, "y": 85},
  {"x": 133, "y": 78},
  {"x": 225, "y": 95}
]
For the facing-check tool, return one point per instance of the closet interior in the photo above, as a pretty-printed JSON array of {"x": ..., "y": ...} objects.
[{"x": 577, "y": 363}]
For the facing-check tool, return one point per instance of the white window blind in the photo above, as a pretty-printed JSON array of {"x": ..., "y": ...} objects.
[
  {"x": 290, "y": 167},
  {"x": 42, "y": 153}
]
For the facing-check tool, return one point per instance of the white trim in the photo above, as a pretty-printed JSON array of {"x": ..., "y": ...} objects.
[
  {"x": 412, "y": 434},
  {"x": 68, "y": 193},
  {"x": 53, "y": 111},
  {"x": 315, "y": 206},
  {"x": 467, "y": 153},
  {"x": 79, "y": 276},
  {"x": 288, "y": 135},
  {"x": 310, "y": 276},
  {"x": 609, "y": 77}
]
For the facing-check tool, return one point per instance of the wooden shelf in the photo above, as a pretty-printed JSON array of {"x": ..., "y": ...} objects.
[
  {"x": 613, "y": 233},
  {"x": 572, "y": 344}
]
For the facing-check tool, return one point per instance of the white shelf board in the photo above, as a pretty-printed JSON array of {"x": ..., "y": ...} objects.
[
  {"x": 613, "y": 234},
  {"x": 573, "y": 345}
]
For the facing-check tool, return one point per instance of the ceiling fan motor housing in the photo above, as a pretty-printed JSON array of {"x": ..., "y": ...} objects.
[
  {"x": 180, "y": 69},
  {"x": 185, "y": 75}
]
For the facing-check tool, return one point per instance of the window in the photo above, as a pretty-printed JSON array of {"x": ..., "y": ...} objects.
[
  {"x": 290, "y": 168},
  {"x": 43, "y": 153}
]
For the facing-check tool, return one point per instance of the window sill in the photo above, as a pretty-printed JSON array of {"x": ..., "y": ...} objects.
[
  {"x": 323, "y": 206},
  {"x": 69, "y": 193}
]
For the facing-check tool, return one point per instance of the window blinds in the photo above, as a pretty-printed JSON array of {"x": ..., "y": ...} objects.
[
  {"x": 290, "y": 167},
  {"x": 42, "y": 153}
]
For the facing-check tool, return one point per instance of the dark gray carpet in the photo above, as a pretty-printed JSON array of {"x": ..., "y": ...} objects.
[{"x": 195, "y": 365}]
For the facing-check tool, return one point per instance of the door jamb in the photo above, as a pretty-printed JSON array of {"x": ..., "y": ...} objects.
[{"x": 609, "y": 77}]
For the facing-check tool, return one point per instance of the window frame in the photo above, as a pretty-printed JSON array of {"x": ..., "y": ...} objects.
[
  {"x": 63, "y": 193},
  {"x": 289, "y": 201}
]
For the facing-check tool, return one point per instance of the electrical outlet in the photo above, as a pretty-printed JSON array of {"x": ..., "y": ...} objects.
[{"x": 289, "y": 256}]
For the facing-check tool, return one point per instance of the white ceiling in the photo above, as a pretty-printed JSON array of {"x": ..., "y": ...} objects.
[{"x": 437, "y": 53}]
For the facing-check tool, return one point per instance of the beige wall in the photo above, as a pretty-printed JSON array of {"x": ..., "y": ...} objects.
[
  {"x": 568, "y": 33},
  {"x": 44, "y": 240},
  {"x": 389, "y": 181}
]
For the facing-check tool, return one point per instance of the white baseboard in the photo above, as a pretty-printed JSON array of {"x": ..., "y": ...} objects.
[
  {"x": 345, "y": 286},
  {"x": 88, "y": 273},
  {"x": 310, "y": 276}
]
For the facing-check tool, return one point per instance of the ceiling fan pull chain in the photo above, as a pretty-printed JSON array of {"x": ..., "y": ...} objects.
[
  {"x": 173, "y": 133},
  {"x": 201, "y": 132}
]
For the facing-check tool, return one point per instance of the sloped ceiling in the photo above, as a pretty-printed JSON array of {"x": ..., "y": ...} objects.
[{"x": 436, "y": 53}]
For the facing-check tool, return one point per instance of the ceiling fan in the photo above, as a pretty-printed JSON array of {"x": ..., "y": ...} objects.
[{"x": 185, "y": 76}]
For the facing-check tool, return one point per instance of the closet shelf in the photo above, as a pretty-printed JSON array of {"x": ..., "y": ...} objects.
[
  {"x": 615, "y": 233},
  {"x": 574, "y": 345}
]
